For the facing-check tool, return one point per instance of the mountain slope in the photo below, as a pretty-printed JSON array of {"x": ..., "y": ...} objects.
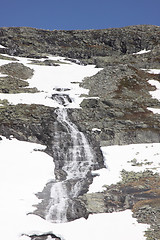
[
  {"x": 117, "y": 109},
  {"x": 78, "y": 43}
]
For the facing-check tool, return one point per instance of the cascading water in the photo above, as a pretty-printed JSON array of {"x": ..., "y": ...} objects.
[{"x": 77, "y": 158}]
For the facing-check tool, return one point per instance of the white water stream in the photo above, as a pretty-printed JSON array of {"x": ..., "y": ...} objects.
[{"x": 77, "y": 160}]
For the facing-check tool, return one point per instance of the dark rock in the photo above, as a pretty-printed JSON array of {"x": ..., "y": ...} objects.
[
  {"x": 44, "y": 237},
  {"x": 62, "y": 99},
  {"x": 61, "y": 89},
  {"x": 5, "y": 90},
  {"x": 76, "y": 210},
  {"x": 90, "y": 103}
]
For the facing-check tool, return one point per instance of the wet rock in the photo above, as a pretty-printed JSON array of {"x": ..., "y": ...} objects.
[
  {"x": 61, "y": 89},
  {"x": 137, "y": 191},
  {"x": 62, "y": 99},
  {"x": 76, "y": 210},
  {"x": 44, "y": 237}
]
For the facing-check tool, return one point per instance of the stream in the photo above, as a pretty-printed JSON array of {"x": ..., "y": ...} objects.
[{"x": 71, "y": 151}]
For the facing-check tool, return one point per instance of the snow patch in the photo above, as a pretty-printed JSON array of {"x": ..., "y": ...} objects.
[
  {"x": 117, "y": 225},
  {"x": 142, "y": 52},
  {"x": 155, "y": 94},
  {"x": 3, "y": 75},
  {"x": 154, "y": 71},
  {"x": 24, "y": 171},
  {"x": 2, "y": 46},
  {"x": 48, "y": 78},
  {"x": 134, "y": 157},
  {"x": 96, "y": 130}
]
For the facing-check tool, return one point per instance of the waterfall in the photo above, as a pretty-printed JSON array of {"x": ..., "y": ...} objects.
[{"x": 75, "y": 159}]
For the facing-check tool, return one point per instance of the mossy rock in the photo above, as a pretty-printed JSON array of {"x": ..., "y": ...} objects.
[{"x": 17, "y": 70}]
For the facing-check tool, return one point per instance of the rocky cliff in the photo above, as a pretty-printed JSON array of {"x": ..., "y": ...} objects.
[{"x": 118, "y": 105}]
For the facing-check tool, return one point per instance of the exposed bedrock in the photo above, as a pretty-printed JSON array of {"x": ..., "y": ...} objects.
[{"x": 82, "y": 44}]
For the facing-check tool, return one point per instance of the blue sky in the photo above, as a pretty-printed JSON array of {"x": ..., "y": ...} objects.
[{"x": 81, "y": 14}]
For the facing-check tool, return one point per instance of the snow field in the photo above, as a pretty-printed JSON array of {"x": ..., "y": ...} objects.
[
  {"x": 47, "y": 78},
  {"x": 133, "y": 157},
  {"x": 26, "y": 173},
  {"x": 23, "y": 173}
]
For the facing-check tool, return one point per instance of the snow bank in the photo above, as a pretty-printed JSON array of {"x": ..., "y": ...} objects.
[
  {"x": 117, "y": 225},
  {"x": 26, "y": 173},
  {"x": 23, "y": 172},
  {"x": 134, "y": 157}
]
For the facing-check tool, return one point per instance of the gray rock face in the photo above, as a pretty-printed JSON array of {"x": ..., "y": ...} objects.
[{"x": 120, "y": 110}]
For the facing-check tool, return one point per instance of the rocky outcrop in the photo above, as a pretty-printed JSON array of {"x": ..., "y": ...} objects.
[
  {"x": 44, "y": 237},
  {"x": 81, "y": 44},
  {"x": 130, "y": 193},
  {"x": 118, "y": 106},
  {"x": 14, "y": 81},
  {"x": 17, "y": 70},
  {"x": 137, "y": 191}
]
